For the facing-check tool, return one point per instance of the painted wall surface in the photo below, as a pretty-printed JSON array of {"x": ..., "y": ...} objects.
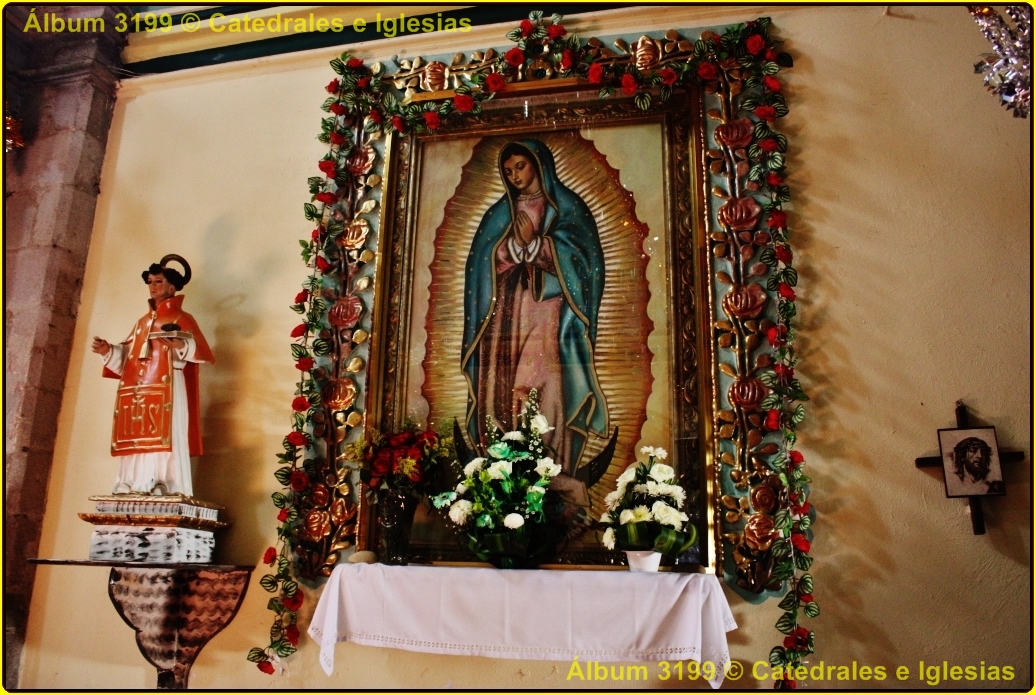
[{"x": 911, "y": 229}]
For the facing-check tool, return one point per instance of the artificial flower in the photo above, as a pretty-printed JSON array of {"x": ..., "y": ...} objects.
[
  {"x": 265, "y": 666},
  {"x": 514, "y": 520},
  {"x": 327, "y": 166},
  {"x": 296, "y": 438},
  {"x": 495, "y": 82},
  {"x": 526, "y": 27},
  {"x": 755, "y": 44},
  {"x": 772, "y": 83},
  {"x": 765, "y": 112},
  {"x": 399, "y": 123},
  {"x": 796, "y": 458},
  {"x": 299, "y": 481},
  {"x": 332, "y": 86},
  {"x": 629, "y": 84},
  {"x": 777, "y": 335},
  {"x": 291, "y": 633},
  {"x": 431, "y": 119},
  {"x": 668, "y": 76},
  {"x": 327, "y": 198},
  {"x": 568, "y": 59},
  {"x": 375, "y": 116},
  {"x": 474, "y": 466},
  {"x": 783, "y": 254},
  {"x": 635, "y": 515},
  {"x": 304, "y": 364},
  {"x": 299, "y": 330},
  {"x": 667, "y": 516},
  {"x": 515, "y": 57},
  {"x": 708, "y": 71},
  {"x": 540, "y": 425},
  {"x": 773, "y": 420},
  {"x": 282, "y": 515},
  {"x": 269, "y": 556},
  {"x": 786, "y": 291},
  {"x": 460, "y": 511},
  {"x": 799, "y": 639},
  {"x": 463, "y": 103},
  {"x": 354, "y": 63},
  {"x": 768, "y": 145},
  {"x": 778, "y": 219},
  {"x": 300, "y": 404},
  {"x": 293, "y": 602},
  {"x": 302, "y": 296},
  {"x": 338, "y": 109},
  {"x": 363, "y": 82},
  {"x": 661, "y": 472},
  {"x": 773, "y": 180},
  {"x": 499, "y": 469},
  {"x": 556, "y": 31},
  {"x": 595, "y": 74},
  {"x": 498, "y": 450},
  {"x": 800, "y": 542}
]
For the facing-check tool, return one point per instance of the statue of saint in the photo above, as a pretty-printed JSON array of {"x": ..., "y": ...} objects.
[{"x": 156, "y": 423}]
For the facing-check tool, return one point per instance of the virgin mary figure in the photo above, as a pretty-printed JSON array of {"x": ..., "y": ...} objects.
[{"x": 533, "y": 284}]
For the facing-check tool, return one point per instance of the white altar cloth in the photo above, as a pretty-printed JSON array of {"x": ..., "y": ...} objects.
[{"x": 526, "y": 614}]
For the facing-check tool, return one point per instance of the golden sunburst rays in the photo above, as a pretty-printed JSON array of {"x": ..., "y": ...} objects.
[{"x": 622, "y": 358}]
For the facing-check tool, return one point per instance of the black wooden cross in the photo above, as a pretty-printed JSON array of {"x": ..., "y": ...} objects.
[{"x": 978, "y": 522}]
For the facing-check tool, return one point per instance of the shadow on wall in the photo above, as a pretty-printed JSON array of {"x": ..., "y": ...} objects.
[{"x": 231, "y": 473}]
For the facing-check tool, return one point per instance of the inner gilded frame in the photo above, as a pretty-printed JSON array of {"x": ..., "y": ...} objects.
[{"x": 641, "y": 175}]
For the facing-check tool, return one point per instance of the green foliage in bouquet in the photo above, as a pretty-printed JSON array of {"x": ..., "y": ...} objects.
[
  {"x": 499, "y": 504},
  {"x": 644, "y": 509}
]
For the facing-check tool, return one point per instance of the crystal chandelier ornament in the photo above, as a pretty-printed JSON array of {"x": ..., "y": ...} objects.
[{"x": 1008, "y": 71}]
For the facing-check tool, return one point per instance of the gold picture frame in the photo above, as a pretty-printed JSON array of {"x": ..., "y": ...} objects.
[{"x": 642, "y": 174}]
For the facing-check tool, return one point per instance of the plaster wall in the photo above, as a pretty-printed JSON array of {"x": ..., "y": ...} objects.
[{"x": 912, "y": 232}]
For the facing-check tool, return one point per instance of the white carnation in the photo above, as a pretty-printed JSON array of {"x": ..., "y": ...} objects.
[
  {"x": 515, "y": 436},
  {"x": 667, "y": 516},
  {"x": 474, "y": 467},
  {"x": 661, "y": 472},
  {"x": 644, "y": 489},
  {"x": 546, "y": 468},
  {"x": 497, "y": 469},
  {"x": 608, "y": 539},
  {"x": 459, "y": 512},
  {"x": 539, "y": 425},
  {"x": 612, "y": 498},
  {"x": 647, "y": 450},
  {"x": 514, "y": 520},
  {"x": 661, "y": 454}
]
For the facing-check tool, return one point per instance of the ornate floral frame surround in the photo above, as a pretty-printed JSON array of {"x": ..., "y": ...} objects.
[{"x": 760, "y": 518}]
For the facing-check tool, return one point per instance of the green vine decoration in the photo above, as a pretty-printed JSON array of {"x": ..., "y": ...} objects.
[{"x": 756, "y": 431}]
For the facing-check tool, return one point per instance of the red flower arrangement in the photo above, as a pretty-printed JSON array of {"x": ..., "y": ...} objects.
[{"x": 404, "y": 461}]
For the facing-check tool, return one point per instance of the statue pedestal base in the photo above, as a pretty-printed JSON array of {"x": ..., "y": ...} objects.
[{"x": 175, "y": 608}]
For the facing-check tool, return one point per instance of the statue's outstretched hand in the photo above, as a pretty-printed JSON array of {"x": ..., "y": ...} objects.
[{"x": 101, "y": 347}]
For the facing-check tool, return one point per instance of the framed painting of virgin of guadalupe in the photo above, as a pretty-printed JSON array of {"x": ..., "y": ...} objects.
[{"x": 547, "y": 248}]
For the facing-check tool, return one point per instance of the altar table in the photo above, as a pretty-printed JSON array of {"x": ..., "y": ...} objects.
[{"x": 526, "y": 614}]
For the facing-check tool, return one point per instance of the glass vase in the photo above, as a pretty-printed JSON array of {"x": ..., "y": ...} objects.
[{"x": 396, "y": 519}]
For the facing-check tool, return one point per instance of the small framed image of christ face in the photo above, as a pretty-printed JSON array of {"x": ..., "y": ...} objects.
[{"x": 971, "y": 462}]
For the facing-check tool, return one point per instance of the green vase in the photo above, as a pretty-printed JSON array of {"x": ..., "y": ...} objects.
[{"x": 521, "y": 548}]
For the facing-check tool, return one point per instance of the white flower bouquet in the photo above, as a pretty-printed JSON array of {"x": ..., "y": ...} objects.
[
  {"x": 644, "y": 509},
  {"x": 499, "y": 503}
]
